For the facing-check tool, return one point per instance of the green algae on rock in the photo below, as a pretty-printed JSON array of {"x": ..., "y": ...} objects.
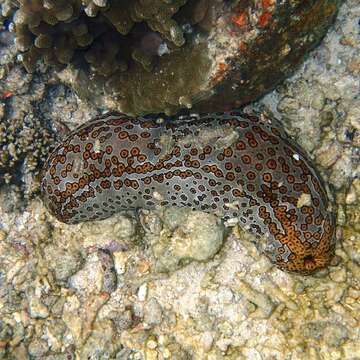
[{"x": 158, "y": 56}]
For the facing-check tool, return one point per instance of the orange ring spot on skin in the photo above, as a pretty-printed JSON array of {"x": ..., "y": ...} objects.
[
  {"x": 133, "y": 137},
  {"x": 114, "y": 160},
  {"x": 251, "y": 175},
  {"x": 123, "y": 135},
  {"x": 145, "y": 135},
  {"x": 141, "y": 158},
  {"x": 124, "y": 153},
  {"x": 230, "y": 176},
  {"x": 135, "y": 151},
  {"x": 240, "y": 145},
  {"x": 271, "y": 164},
  {"x": 228, "y": 152},
  {"x": 246, "y": 159}
]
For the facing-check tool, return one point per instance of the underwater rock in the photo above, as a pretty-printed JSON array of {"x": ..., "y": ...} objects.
[
  {"x": 158, "y": 56},
  {"x": 192, "y": 236},
  {"x": 62, "y": 261}
]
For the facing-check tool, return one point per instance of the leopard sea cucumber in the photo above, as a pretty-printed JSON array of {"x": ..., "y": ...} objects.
[{"x": 235, "y": 164}]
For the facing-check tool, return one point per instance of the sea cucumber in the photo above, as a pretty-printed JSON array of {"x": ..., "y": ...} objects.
[{"x": 239, "y": 165}]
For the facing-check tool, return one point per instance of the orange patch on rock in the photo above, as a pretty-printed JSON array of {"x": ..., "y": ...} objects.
[
  {"x": 221, "y": 72},
  {"x": 264, "y": 19},
  {"x": 240, "y": 20},
  {"x": 6, "y": 94},
  {"x": 267, "y": 3}
]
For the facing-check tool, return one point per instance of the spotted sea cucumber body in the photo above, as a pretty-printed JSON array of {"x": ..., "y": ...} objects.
[{"x": 234, "y": 164}]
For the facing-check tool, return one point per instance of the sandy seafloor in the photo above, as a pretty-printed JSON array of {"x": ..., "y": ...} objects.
[{"x": 120, "y": 290}]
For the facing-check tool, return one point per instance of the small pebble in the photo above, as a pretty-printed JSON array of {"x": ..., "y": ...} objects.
[
  {"x": 37, "y": 309},
  {"x": 38, "y": 348},
  {"x": 3, "y": 235},
  {"x": 152, "y": 312},
  {"x": 142, "y": 292},
  {"x": 151, "y": 344}
]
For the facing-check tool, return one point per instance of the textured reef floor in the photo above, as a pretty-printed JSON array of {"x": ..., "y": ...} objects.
[{"x": 180, "y": 285}]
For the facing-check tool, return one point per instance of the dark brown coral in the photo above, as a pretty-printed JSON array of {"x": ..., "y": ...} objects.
[{"x": 146, "y": 56}]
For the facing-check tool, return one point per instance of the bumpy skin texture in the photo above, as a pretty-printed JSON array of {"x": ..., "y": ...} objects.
[{"x": 235, "y": 164}]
